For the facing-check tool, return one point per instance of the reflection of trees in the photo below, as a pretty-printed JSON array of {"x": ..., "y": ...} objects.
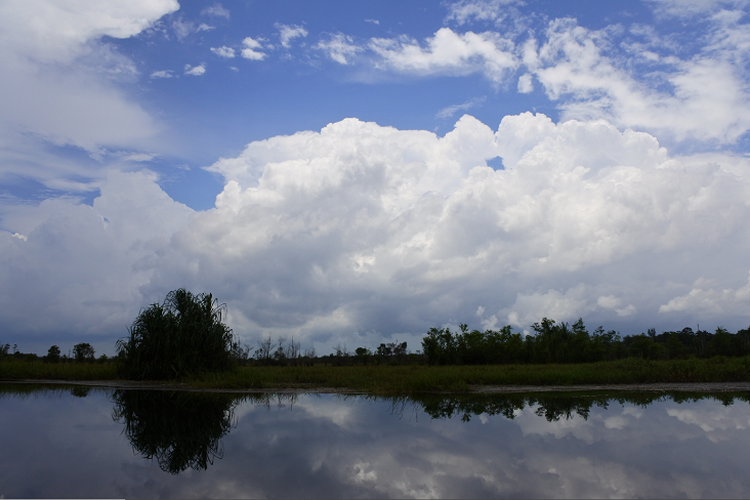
[
  {"x": 279, "y": 400},
  {"x": 80, "y": 391},
  {"x": 183, "y": 429},
  {"x": 551, "y": 406},
  {"x": 180, "y": 429}
]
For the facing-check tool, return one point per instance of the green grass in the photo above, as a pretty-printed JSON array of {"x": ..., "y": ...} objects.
[
  {"x": 15, "y": 370},
  {"x": 419, "y": 378}
]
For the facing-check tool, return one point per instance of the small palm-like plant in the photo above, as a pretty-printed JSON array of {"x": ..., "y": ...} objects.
[{"x": 183, "y": 336}]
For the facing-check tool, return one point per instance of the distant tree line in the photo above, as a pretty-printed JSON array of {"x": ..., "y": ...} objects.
[
  {"x": 561, "y": 342},
  {"x": 185, "y": 335},
  {"x": 81, "y": 353},
  {"x": 283, "y": 352}
]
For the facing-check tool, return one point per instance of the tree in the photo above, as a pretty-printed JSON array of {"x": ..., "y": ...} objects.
[
  {"x": 293, "y": 351},
  {"x": 241, "y": 352},
  {"x": 363, "y": 354},
  {"x": 182, "y": 336},
  {"x": 263, "y": 354},
  {"x": 83, "y": 352},
  {"x": 53, "y": 355},
  {"x": 440, "y": 346}
]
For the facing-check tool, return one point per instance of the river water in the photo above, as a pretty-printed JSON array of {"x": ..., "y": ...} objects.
[{"x": 58, "y": 442}]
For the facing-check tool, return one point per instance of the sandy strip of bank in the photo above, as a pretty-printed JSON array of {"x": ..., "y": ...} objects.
[{"x": 711, "y": 387}]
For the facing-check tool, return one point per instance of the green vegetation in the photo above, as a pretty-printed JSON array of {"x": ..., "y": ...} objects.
[
  {"x": 181, "y": 337},
  {"x": 414, "y": 378},
  {"x": 562, "y": 343},
  {"x": 394, "y": 379},
  {"x": 19, "y": 369}
]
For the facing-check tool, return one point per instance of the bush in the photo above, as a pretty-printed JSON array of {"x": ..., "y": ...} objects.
[{"x": 183, "y": 336}]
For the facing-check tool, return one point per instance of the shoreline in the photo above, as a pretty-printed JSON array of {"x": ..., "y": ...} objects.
[{"x": 707, "y": 387}]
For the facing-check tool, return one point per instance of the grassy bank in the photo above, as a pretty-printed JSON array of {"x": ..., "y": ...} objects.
[
  {"x": 421, "y": 378},
  {"x": 16, "y": 370}
]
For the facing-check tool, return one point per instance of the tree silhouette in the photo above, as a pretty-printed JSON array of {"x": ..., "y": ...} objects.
[
  {"x": 180, "y": 429},
  {"x": 184, "y": 335}
]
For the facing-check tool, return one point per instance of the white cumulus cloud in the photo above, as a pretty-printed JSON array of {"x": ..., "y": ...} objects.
[
  {"x": 448, "y": 52},
  {"x": 708, "y": 100},
  {"x": 360, "y": 231},
  {"x": 79, "y": 268},
  {"x": 195, "y": 70},
  {"x": 224, "y": 51},
  {"x": 357, "y": 220},
  {"x": 251, "y": 49}
]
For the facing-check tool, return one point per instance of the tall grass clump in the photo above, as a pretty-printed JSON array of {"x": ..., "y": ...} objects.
[{"x": 181, "y": 337}]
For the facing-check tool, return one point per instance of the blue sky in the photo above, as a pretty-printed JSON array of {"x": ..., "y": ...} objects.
[{"x": 354, "y": 172}]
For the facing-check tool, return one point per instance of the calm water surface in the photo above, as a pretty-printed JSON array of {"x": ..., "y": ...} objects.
[{"x": 78, "y": 442}]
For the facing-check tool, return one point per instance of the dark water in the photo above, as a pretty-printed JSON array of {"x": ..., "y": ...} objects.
[{"x": 63, "y": 442}]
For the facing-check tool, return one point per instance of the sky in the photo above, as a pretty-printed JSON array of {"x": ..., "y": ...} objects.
[{"x": 351, "y": 173}]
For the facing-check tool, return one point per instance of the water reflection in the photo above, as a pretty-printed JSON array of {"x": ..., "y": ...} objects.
[
  {"x": 307, "y": 445},
  {"x": 182, "y": 429},
  {"x": 551, "y": 406},
  {"x": 179, "y": 429}
]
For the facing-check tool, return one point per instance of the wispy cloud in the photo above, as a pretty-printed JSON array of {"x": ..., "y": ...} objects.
[
  {"x": 452, "y": 110},
  {"x": 287, "y": 33},
  {"x": 339, "y": 47},
  {"x": 216, "y": 10}
]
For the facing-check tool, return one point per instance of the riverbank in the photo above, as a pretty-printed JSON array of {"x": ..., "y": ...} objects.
[
  {"x": 688, "y": 387},
  {"x": 406, "y": 379}
]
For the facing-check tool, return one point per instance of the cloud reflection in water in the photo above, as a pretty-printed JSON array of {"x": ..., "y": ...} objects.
[{"x": 354, "y": 446}]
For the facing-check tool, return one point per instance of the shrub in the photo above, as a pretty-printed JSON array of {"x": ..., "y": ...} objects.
[{"x": 183, "y": 336}]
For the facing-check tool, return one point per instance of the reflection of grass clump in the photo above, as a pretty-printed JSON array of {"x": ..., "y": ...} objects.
[
  {"x": 181, "y": 337},
  {"x": 179, "y": 429},
  {"x": 182, "y": 429}
]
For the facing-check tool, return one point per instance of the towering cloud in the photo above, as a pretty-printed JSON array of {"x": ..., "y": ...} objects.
[{"x": 364, "y": 228}]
